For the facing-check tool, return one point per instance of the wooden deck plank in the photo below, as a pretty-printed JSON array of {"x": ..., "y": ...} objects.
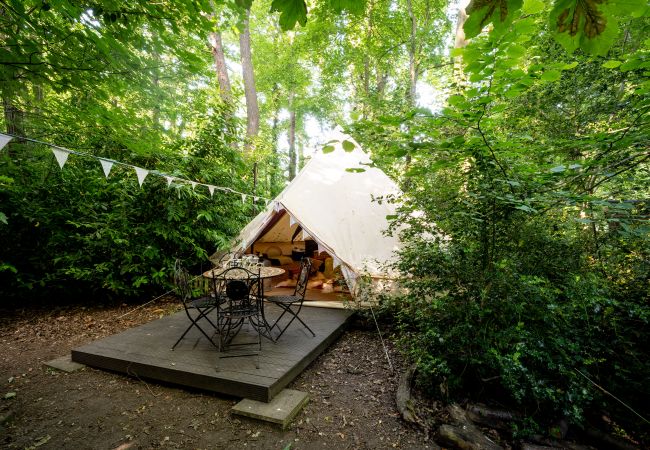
[{"x": 145, "y": 352}]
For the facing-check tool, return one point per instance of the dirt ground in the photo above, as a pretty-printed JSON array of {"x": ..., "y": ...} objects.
[{"x": 351, "y": 389}]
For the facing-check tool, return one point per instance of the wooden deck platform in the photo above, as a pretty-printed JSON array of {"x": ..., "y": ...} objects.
[
  {"x": 145, "y": 352},
  {"x": 312, "y": 295}
]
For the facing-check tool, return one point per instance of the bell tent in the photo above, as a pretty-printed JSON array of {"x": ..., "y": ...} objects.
[{"x": 329, "y": 207}]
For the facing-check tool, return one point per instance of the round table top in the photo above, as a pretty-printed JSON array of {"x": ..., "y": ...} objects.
[{"x": 265, "y": 272}]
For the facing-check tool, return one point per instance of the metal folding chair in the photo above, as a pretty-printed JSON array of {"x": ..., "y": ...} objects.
[
  {"x": 196, "y": 302},
  {"x": 241, "y": 292},
  {"x": 292, "y": 304}
]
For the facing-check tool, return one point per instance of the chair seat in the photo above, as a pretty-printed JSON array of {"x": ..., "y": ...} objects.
[
  {"x": 283, "y": 299},
  {"x": 203, "y": 302}
]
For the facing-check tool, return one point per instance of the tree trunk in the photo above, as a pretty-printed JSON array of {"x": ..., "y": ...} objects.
[
  {"x": 13, "y": 118},
  {"x": 382, "y": 79},
  {"x": 157, "y": 96},
  {"x": 252, "y": 109},
  {"x": 292, "y": 138},
  {"x": 220, "y": 65},
  {"x": 273, "y": 179},
  {"x": 460, "y": 42},
  {"x": 413, "y": 70}
]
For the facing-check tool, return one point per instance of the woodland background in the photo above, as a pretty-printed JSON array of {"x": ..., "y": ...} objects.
[{"x": 521, "y": 132}]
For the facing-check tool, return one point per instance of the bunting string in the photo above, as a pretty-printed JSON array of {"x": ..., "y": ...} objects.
[{"x": 61, "y": 155}]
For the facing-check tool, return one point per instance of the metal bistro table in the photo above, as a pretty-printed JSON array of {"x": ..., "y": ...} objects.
[{"x": 264, "y": 272}]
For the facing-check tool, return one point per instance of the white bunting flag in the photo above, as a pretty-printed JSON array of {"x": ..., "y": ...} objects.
[
  {"x": 4, "y": 140},
  {"x": 305, "y": 235},
  {"x": 266, "y": 202},
  {"x": 335, "y": 262},
  {"x": 106, "y": 166},
  {"x": 277, "y": 207},
  {"x": 255, "y": 199},
  {"x": 61, "y": 155},
  {"x": 193, "y": 183},
  {"x": 141, "y": 173},
  {"x": 211, "y": 189},
  {"x": 243, "y": 198},
  {"x": 320, "y": 247},
  {"x": 291, "y": 220},
  {"x": 169, "y": 180}
]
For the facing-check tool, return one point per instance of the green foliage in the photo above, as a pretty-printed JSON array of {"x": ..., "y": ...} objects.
[
  {"x": 482, "y": 12},
  {"x": 73, "y": 233},
  {"x": 291, "y": 12},
  {"x": 525, "y": 224},
  {"x": 520, "y": 328},
  {"x": 591, "y": 25}
]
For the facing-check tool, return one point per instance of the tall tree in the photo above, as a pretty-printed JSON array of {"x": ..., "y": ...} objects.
[
  {"x": 250, "y": 91},
  {"x": 225, "y": 90}
]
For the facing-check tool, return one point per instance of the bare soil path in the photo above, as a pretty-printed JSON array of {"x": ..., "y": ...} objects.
[{"x": 351, "y": 389}]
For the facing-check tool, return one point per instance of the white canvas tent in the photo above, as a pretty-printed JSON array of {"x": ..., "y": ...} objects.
[{"x": 334, "y": 207}]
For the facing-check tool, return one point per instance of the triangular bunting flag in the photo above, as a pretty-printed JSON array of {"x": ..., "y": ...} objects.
[
  {"x": 169, "y": 180},
  {"x": 335, "y": 262},
  {"x": 243, "y": 198},
  {"x": 106, "y": 165},
  {"x": 305, "y": 235},
  {"x": 193, "y": 183},
  {"x": 141, "y": 173},
  {"x": 276, "y": 207},
  {"x": 266, "y": 202},
  {"x": 4, "y": 140},
  {"x": 211, "y": 189},
  {"x": 291, "y": 220},
  {"x": 61, "y": 155},
  {"x": 255, "y": 199},
  {"x": 320, "y": 247}
]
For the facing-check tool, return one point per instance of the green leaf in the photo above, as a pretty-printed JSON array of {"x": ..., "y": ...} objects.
[
  {"x": 533, "y": 6},
  {"x": 328, "y": 149},
  {"x": 630, "y": 64},
  {"x": 482, "y": 12},
  {"x": 3, "y": 218},
  {"x": 456, "y": 100},
  {"x": 551, "y": 75},
  {"x": 590, "y": 24},
  {"x": 612, "y": 64},
  {"x": 570, "y": 66},
  {"x": 246, "y": 4},
  {"x": 355, "y": 170},
  {"x": 291, "y": 11},
  {"x": 348, "y": 146},
  {"x": 353, "y": 6},
  {"x": 525, "y": 208},
  {"x": 516, "y": 51},
  {"x": 9, "y": 267}
]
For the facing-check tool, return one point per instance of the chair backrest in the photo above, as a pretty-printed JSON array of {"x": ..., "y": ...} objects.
[
  {"x": 182, "y": 281},
  {"x": 189, "y": 287},
  {"x": 303, "y": 278},
  {"x": 238, "y": 286}
]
